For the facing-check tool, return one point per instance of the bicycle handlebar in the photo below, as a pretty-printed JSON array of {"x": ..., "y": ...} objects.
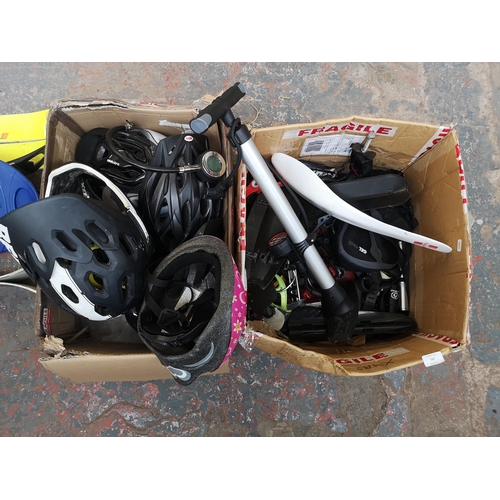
[{"x": 217, "y": 109}]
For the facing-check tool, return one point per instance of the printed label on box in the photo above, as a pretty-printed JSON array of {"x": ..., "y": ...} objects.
[
  {"x": 46, "y": 321},
  {"x": 433, "y": 359},
  {"x": 332, "y": 145},
  {"x": 365, "y": 128},
  {"x": 372, "y": 357},
  {"x": 463, "y": 187},
  {"x": 440, "y": 339}
]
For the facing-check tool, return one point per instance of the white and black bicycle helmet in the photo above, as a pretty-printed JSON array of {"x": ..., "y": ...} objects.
[
  {"x": 174, "y": 204},
  {"x": 193, "y": 311},
  {"x": 83, "y": 244}
]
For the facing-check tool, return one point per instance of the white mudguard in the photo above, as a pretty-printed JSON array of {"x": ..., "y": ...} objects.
[{"x": 314, "y": 190}]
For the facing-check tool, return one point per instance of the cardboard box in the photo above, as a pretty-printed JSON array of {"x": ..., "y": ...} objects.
[
  {"x": 110, "y": 350},
  {"x": 439, "y": 291}
]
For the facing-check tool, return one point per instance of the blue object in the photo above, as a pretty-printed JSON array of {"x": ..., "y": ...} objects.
[{"x": 15, "y": 191}]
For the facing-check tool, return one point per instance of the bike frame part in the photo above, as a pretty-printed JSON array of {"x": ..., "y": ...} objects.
[
  {"x": 285, "y": 213},
  {"x": 339, "y": 310}
]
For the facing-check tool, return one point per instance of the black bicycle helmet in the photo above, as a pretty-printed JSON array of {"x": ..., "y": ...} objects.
[
  {"x": 83, "y": 244},
  {"x": 193, "y": 311},
  {"x": 117, "y": 155},
  {"x": 174, "y": 205}
]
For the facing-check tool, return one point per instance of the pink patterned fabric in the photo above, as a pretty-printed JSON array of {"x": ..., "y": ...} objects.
[{"x": 239, "y": 310}]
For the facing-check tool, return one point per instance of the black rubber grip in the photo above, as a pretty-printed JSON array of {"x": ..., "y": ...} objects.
[{"x": 215, "y": 111}]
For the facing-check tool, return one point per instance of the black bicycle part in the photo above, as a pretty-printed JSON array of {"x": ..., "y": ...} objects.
[
  {"x": 372, "y": 192},
  {"x": 307, "y": 324},
  {"x": 218, "y": 109},
  {"x": 261, "y": 263},
  {"x": 361, "y": 163}
]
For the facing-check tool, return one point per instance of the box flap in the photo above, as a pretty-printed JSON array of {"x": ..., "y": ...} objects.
[
  {"x": 374, "y": 358},
  {"x": 403, "y": 142}
]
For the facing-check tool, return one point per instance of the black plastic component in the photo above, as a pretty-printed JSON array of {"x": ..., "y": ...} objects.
[
  {"x": 340, "y": 313},
  {"x": 280, "y": 245},
  {"x": 307, "y": 324},
  {"x": 173, "y": 205},
  {"x": 374, "y": 192},
  {"x": 263, "y": 260},
  {"x": 242, "y": 134},
  {"x": 361, "y": 250},
  {"x": 217, "y": 109},
  {"x": 179, "y": 150},
  {"x": 261, "y": 263},
  {"x": 384, "y": 323},
  {"x": 301, "y": 247},
  {"x": 394, "y": 301},
  {"x": 361, "y": 164}
]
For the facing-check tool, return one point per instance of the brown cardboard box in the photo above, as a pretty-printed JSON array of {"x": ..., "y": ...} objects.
[
  {"x": 430, "y": 158},
  {"x": 109, "y": 350}
]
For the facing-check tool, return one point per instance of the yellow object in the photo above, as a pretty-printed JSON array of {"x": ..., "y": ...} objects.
[
  {"x": 95, "y": 281},
  {"x": 22, "y": 133}
]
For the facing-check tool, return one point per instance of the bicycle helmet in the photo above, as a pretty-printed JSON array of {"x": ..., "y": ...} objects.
[
  {"x": 119, "y": 160},
  {"x": 194, "y": 308},
  {"x": 174, "y": 205},
  {"x": 83, "y": 244}
]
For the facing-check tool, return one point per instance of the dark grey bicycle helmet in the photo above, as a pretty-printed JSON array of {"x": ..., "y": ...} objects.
[
  {"x": 193, "y": 311},
  {"x": 83, "y": 244},
  {"x": 174, "y": 205}
]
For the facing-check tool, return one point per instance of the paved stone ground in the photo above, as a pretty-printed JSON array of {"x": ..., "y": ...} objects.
[{"x": 263, "y": 395}]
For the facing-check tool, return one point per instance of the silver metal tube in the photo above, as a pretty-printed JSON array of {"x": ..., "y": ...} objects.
[
  {"x": 369, "y": 139},
  {"x": 284, "y": 211},
  {"x": 273, "y": 193},
  {"x": 403, "y": 296},
  {"x": 318, "y": 268}
]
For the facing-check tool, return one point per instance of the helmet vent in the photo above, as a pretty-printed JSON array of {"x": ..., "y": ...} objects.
[
  {"x": 68, "y": 293},
  {"x": 126, "y": 288},
  {"x": 37, "y": 249},
  {"x": 99, "y": 234},
  {"x": 187, "y": 214},
  {"x": 100, "y": 255},
  {"x": 65, "y": 241},
  {"x": 128, "y": 244},
  {"x": 64, "y": 263},
  {"x": 83, "y": 238},
  {"x": 102, "y": 310},
  {"x": 96, "y": 281},
  {"x": 102, "y": 151}
]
